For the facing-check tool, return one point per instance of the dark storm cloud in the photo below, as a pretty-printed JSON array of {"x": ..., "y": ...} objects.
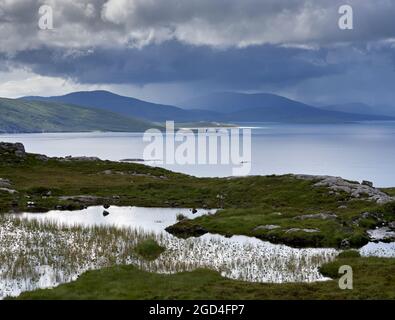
[{"x": 175, "y": 62}]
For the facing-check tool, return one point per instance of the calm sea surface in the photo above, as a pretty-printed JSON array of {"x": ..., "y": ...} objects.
[{"x": 354, "y": 151}]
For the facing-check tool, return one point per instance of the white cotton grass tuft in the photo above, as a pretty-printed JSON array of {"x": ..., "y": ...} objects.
[{"x": 42, "y": 254}]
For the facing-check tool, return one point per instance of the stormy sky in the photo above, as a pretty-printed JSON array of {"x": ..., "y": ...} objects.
[{"x": 169, "y": 50}]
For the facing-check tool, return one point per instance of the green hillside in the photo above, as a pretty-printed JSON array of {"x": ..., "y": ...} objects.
[{"x": 36, "y": 116}]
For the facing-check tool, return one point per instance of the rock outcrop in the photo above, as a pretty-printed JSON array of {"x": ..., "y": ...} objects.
[
  {"x": 15, "y": 152},
  {"x": 353, "y": 188},
  {"x": 318, "y": 216},
  {"x": 82, "y": 158},
  {"x": 302, "y": 230},
  {"x": 13, "y": 149},
  {"x": 266, "y": 227}
]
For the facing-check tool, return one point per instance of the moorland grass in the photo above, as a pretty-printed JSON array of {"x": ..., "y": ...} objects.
[{"x": 374, "y": 278}]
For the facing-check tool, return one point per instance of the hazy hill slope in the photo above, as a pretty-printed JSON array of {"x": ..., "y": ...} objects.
[
  {"x": 220, "y": 107},
  {"x": 361, "y": 108},
  {"x": 128, "y": 106},
  {"x": 228, "y": 102},
  {"x": 300, "y": 115},
  {"x": 33, "y": 116},
  {"x": 271, "y": 107}
]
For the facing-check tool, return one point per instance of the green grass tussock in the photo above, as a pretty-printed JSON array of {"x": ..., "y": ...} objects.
[{"x": 149, "y": 249}]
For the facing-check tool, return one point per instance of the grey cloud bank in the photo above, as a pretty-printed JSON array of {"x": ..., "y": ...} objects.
[{"x": 220, "y": 23}]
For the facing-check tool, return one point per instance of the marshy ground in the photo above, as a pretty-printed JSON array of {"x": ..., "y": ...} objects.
[{"x": 280, "y": 209}]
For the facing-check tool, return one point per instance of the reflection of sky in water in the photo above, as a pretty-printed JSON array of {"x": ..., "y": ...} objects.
[
  {"x": 380, "y": 249},
  {"x": 148, "y": 219},
  {"x": 353, "y": 151},
  {"x": 157, "y": 219}
]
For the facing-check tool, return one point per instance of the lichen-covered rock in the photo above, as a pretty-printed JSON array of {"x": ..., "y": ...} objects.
[
  {"x": 320, "y": 216},
  {"x": 266, "y": 227},
  {"x": 353, "y": 188},
  {"x": 41, "y": 157}
]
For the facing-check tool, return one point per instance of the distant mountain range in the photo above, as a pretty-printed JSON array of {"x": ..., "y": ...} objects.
[
  {"x": 220, "y": 107},
  {"x": 109, "y": 101},
  {"x": 106, "y": 111},
  {"x": 36, "y": 116}
]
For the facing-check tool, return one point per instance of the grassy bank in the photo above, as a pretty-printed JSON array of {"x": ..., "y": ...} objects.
[
  {"x": 284, "y": 224},
  {"x": 374, "y": 278},
  {"x": 149, "y": 249}
]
